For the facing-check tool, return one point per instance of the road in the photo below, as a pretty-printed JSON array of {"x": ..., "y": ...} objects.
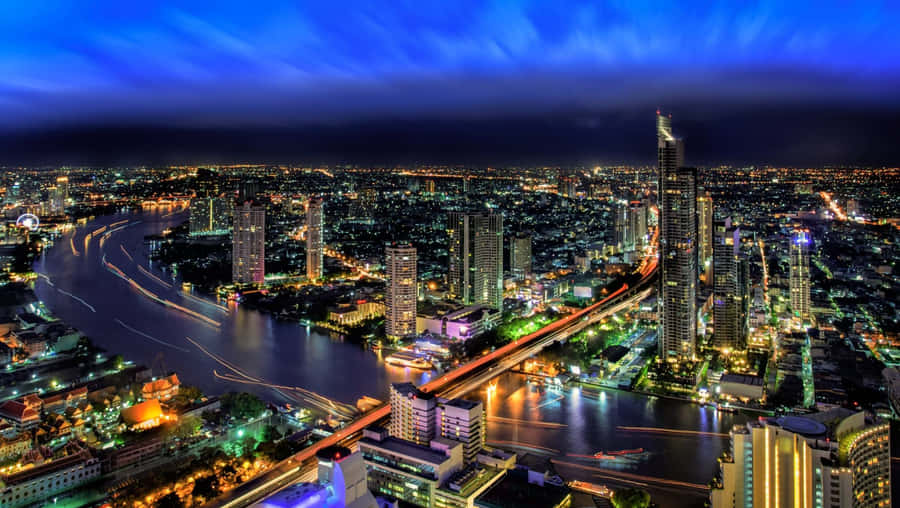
[{"x": 453, "y": 384}]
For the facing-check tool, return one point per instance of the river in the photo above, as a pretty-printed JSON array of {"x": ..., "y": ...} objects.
[{"x": 122, "y": 319}]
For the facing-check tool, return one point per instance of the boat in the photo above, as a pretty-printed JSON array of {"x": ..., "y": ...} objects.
[
  {"x": 404, "y": 359},
  {"x": 633, "y": 451},
  {"x": 602, "y": 456}
]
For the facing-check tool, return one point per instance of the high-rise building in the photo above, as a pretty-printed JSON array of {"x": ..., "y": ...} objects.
[
  {"x": 635, "y": 226},
  {"x": 209, "y": 216},
  {"x": 400, "y": 300},
  {"x": 730, "y": 291},
  {"x": 59, "y": 195},
  {"x": 795, "y": 461},
  {"x": 463, "y": 421},
  {"x": 429, "y": 186},
  {"x": 677, "y": 195},
  {"x": 249, "y": 244},
  {"x": 475, "y": 272},
  {"x": 705, "y": 236},
  {"x": 799, "y": 274},
  {"x": 413, "y": 413},
  {"x": 566, "y": 184},
  {"x": 520, "y": 256},
  {"x": 315, "y": 246}
]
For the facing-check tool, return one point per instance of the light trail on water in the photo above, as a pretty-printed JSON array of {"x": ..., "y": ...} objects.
[
  {"x": 661, "y": 430},
  {"x": 77, "y": 299},
  {"x": 147, "y": 336}
]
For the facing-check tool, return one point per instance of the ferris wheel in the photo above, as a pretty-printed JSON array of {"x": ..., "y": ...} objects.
[{"x": 28, "y": 221}]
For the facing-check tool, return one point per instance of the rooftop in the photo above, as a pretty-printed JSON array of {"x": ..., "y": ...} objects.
[{"x": 406, "y": 448}]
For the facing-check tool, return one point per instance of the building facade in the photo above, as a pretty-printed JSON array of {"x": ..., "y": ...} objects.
[
  {"x": 249, "y": 244},
  {"x": 797, "y": 462},
  {"x": 475, "y": 271},
  {"x": 315, "y": 245},
  {"x": 799, "y": 274},
  {"x": 705, "y": 233},
  {"x": 677, "y": 247},
  {"x": 413, "y": 414},
  {"x": 462, "y": 421},
  {"x": 730, "y": 291},
  {"x": 400, "y": 300},
  {"x": 520, "y": 256},
  {"x": 210, "y": 216}
]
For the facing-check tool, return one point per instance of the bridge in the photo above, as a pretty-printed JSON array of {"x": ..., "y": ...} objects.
[{"x": 452, "y": 384}]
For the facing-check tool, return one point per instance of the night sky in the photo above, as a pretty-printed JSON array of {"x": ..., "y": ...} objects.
[{"x": 462, "y": 82}]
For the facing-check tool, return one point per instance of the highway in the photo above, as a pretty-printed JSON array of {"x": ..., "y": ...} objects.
[{"x": 452, "y": 384}]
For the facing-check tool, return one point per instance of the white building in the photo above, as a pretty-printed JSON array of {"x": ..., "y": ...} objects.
[
  {"x": 799, "y": 275},
  {"x": 400, "y": 297},
  {"x": 462, "y": 421},
  {"x": 413, "y": 413},
  {"x": 42, "y": 483}
]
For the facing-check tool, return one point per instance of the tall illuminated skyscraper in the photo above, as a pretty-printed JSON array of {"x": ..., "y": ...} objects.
[
  {"x": 400, "y": 300},
  {"x": 730, "y": 292},
  {"x": 475, "y": 272},
  {"x": 314, "y": 242},
  {"x": 520, "y": 256},
  {"x": 705, "y": 235},
  {"x": 677, "y": 195},
  {"x": 249, "y": 244},
  {"x": 799, "y": 274},
  {"x": 209, "y": 216}
]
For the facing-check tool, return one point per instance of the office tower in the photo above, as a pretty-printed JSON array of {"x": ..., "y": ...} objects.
[
  {"x": 475, "y": 272},
  {"x": 799, "y": 274},
  {"x": 730, "y": 294},
  {"x": 520, "y": 256},
  {"x": 566, "y": 184},
  {"x": 705, "y": 236},
  {"x": 413, "y": 413},
  {"x": 677, "y": 247},
  {"x": 249, "y": 244},
  {"x": 400, "y": 300},
  {"x": 619, "y": 227},
  {"x": 314, "y": 242},
  {"x": 463, "y": 421},
  {"x": 635, "y": 226},
  {"x": 209, "y": 216},
  {"x": 409, "y": 472},
  {"x": 795, "y": 461},
  {"x": 429, "y": 186},
  {"x": 59, "y": 195}
]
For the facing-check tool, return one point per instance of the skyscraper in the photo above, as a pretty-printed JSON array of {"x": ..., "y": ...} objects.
[
  {"x": 677, "y": 195},
  {"x": 705, "y": 235},
  {"x": 635, "y": 226},
  {"x": 730, "y": 293},
  {"x": 520, "y": 256},
  {"x": 209, "y": 216},
  {"x": 314, "y": 242},
  {"x": 413, "y": 413},
  {"x": 475, "y": 272},
  {"x": 799, "y": 274},
  {"x": 463, "y": 421},
  {"x": 400, "y": 300},
  {"x": 249, "y": 244}
]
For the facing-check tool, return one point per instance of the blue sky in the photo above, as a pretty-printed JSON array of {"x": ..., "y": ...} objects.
[{"x": 295, "y": 63}]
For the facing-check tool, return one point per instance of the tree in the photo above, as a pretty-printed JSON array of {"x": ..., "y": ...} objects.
[
  {"x": 242, "y": 405},
  {"x": 170, "y": 500},
  {"x": 631, "y": 498},
  {"x": 186, "y": 427},
  {"x": 270, "y": 433},
  {"x": 206, "y": 487},
  {"x": 186, "y": 396}
]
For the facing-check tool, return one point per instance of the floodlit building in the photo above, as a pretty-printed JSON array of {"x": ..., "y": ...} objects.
[
  {"x": 677, "y": 247},
  {"x": 249, "y": 244},
  {"x": 475, "y": 272},
  {"x": 462, "y": 421},
  {"x": 400, "y": 300},
  {"x": 794, "y": 461},
  {"x": 799, "y": 274},
  {"x": 315, "y": 245},
  {"x": 413, "y": 413},
  {"x": 38, "y": 485}
]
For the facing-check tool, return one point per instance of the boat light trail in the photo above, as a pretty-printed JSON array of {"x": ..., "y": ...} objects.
[
  {"x": 660, "y": 430},
  {"x": 154, "y": 339},
  {"x": 154, "y": 277},
  {"x": 614, "y": 474},
  {"x": 77, "y": 299},
  {"x": 531, "y": 423}
]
